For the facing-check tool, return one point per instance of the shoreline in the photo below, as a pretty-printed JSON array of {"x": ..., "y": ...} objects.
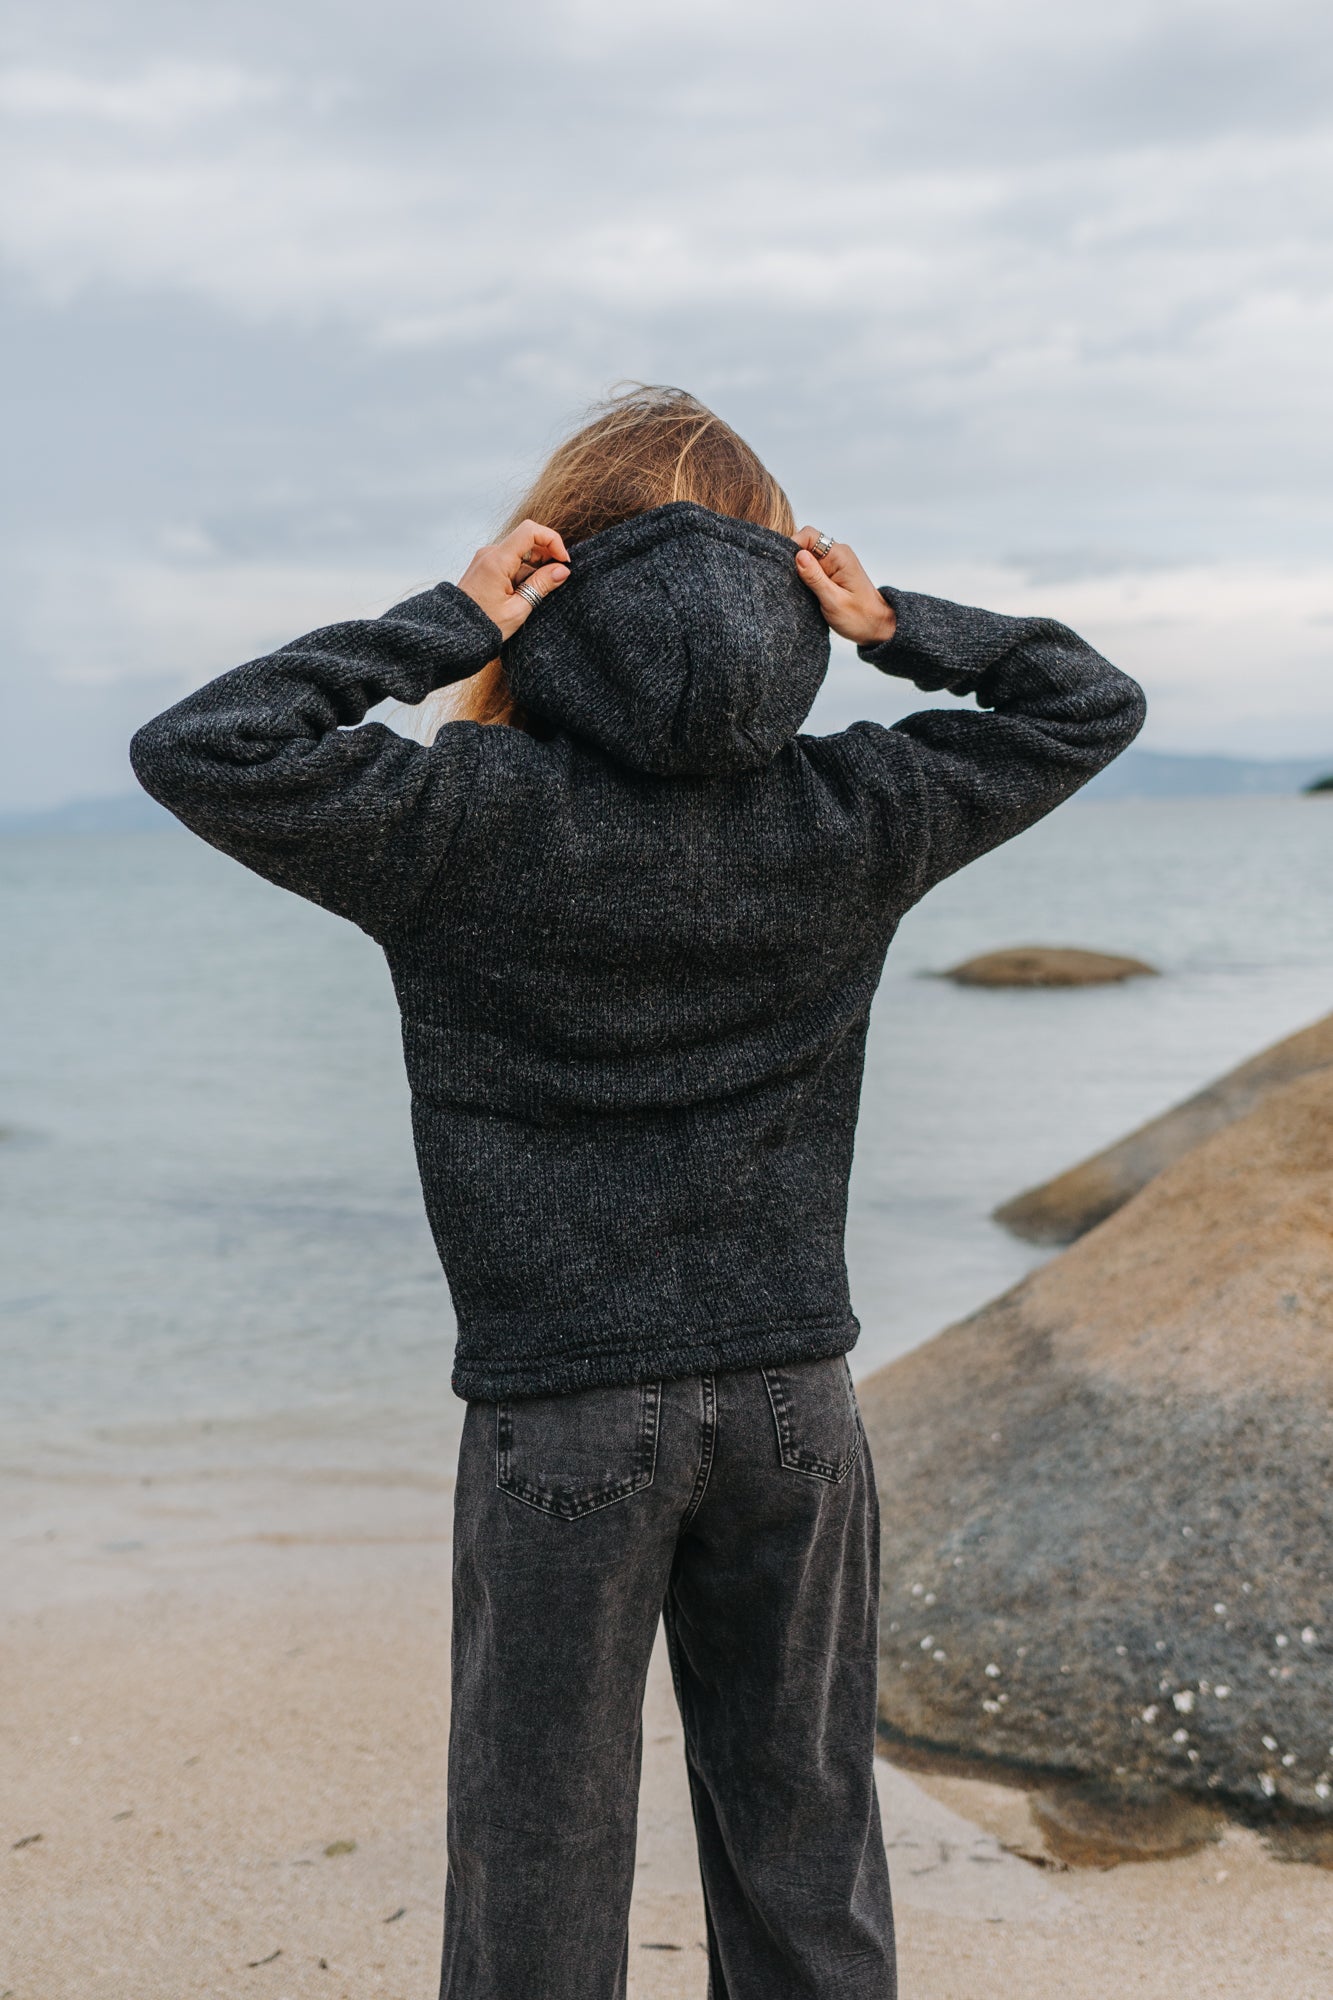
[{"x": 211, "y": 1682}]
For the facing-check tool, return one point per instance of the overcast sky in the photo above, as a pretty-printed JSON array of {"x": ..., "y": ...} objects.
[{"x": 1032, "y": 302}]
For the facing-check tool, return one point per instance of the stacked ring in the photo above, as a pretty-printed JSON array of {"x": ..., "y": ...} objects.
[
  {"x": 823, "y": 545},
  {"x": 531, "y": 592}
]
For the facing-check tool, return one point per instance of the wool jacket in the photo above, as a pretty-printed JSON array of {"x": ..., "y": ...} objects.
[{"x": 635, "y": 945}]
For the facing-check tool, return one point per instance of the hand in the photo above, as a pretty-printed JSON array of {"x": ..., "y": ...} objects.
[
  {"x": 847, "y": 597},
  {"x": 492, "y": 577}
]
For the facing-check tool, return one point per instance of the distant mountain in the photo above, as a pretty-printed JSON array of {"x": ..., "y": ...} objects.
[
  {"x": 126, "y": 812},
  {"x": 1158, "y": 774},
  {"x": 1139, "y": 774}
]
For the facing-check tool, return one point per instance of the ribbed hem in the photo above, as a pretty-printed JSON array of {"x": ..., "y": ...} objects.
[{"x": 552, "y": 1375}]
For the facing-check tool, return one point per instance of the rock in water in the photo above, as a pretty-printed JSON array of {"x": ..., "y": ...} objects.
[
  {"x": 1060, "y": 1210},
  {"x": 1098, "y": 1826},
  {"x": 1107, "y": 1497},
  {"x": 1047, "y": 965}
]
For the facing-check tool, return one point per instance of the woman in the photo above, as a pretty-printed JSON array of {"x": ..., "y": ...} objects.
[{"x": 635, "y": 929}]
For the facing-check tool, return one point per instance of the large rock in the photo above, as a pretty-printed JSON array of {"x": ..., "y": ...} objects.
[
  {"x": 1060, "y": 1210},
  {"x": 1047, "y": 965},
  {"x": 1108, "y": 1497}
]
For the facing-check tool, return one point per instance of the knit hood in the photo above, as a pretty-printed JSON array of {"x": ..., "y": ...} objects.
[{"x": 684, "y": 644}]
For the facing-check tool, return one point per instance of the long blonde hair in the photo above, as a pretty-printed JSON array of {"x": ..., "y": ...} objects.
[{"x": 644, "y": 447}]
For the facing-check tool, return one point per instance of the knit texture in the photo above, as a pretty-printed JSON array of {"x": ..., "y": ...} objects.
[{"x": 635, "y": 948}]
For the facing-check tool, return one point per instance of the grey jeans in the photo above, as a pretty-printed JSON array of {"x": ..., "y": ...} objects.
[{"x": 742, "y": 1507}]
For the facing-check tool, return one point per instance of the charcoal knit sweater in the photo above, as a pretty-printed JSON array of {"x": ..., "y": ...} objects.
[{"x": 635, "y": 950}]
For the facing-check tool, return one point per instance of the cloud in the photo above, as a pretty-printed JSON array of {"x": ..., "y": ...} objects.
[
  {"x": 1150, "y": 299},
  {"x": 1157, "y": 313},
  {"x": 181, "y": 617},
  {"x": 979, "y": 279},
  {"x": 161, "y": 97},
  {"x": 1234, "y": 658}
]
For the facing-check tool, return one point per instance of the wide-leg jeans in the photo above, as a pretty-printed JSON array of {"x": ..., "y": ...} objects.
[{"x": 742, "y": 1508}]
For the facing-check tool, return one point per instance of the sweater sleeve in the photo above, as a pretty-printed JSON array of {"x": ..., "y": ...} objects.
[
  {"x": 265, "y": 764},
  {"x": 1054, "y": 712}
]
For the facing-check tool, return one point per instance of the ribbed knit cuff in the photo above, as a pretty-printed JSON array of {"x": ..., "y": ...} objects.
[
  {"x": 460, "y": 632},
  {"x": 939, "y": 645}
]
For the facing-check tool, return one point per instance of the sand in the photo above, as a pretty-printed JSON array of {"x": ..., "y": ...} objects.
[{"x": 222, "y": 1751}]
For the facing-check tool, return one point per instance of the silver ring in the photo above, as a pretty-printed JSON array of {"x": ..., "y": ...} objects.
[
  {"x": 531, "y": 592},
  {"x": 823, "y": 545}
]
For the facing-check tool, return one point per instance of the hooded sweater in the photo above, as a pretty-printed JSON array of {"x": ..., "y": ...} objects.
[{"x": 635, "y": 944}]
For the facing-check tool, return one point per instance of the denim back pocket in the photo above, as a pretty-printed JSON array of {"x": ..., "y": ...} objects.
[
  {"x": 570, "y": 1455},
  {"x": 817, "y": 1418}
]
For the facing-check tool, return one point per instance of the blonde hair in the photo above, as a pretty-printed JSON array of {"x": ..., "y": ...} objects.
[{"x": 644, "y": 447}]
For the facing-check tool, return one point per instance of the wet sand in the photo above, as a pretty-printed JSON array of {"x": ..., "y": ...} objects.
[{"x": 222, "y": 1742}]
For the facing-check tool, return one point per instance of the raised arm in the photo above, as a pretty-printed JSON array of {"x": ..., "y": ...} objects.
[
  {"x": 1058, "y": 712},
  {"x": 265, "y": 764}
]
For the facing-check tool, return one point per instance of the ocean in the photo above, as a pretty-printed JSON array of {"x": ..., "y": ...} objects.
[{"x": 212, "y": 1246}]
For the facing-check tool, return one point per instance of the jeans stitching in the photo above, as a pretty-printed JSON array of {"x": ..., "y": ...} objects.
[
  {"x": 707, "y": 1449},
  {"x": 642, "y": 1477},
  {"x": 791, "y": 1454}
]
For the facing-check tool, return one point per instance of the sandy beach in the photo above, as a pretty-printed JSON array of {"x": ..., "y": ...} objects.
[{"x": 224, "y": 1715}]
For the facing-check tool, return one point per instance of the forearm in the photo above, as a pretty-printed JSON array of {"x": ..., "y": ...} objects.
[
  {"x": 1059, "y": 713},
  {"x": 1030, "y": 671},
  {"x": 265, "y": 722},
  {"x": 264, "y": 763}
]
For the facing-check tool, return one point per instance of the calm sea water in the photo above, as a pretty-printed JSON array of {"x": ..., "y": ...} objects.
[{"x": 213, "y": 1244}]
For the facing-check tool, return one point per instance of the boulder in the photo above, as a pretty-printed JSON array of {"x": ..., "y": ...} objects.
[
  {"x": 1107, "y": 1497},
  {"x": 1047, "y": 965},
  {"x": 1060, "y": 1210}
]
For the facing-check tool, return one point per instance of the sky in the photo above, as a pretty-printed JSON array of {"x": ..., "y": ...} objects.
[{"x": 1032, "y": 303}]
